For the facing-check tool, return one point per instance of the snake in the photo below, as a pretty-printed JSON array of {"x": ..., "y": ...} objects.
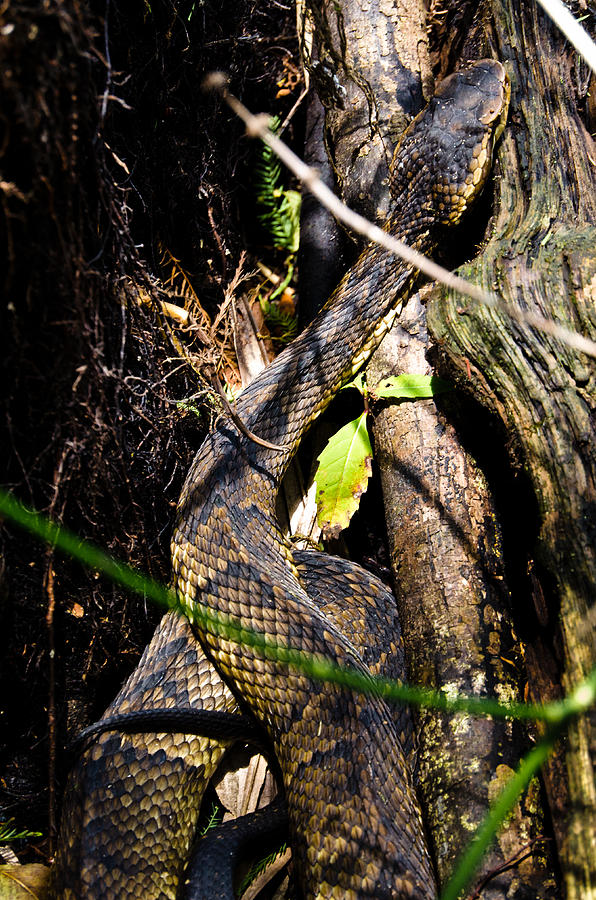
[{"x": 356, "y": 829}]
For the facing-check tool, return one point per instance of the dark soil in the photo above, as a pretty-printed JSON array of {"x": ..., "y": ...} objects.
[{"x": 112, "y": 164}]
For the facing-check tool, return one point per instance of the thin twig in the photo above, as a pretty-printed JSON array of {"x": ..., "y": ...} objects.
[
  {"x": 522, "y": 854},
  {"x": 231, "y": 412},
  {"x": 218, "y": 240},
  {"x": 292, "y": 112},
  {"x": 575, "y": 33},
  {"x": 52, "y": 725},
  {"x": 51, "y": 649},
  {"x": 258, "y": 126},
  {"x": 106, "y": 93},
  {"x": 237, "y": 278}
]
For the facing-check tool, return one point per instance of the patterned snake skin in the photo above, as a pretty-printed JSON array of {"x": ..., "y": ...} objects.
[{"x": 132, "y": 803}]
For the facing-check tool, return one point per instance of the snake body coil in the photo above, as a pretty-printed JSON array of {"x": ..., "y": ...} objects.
[{"x": 355, "y": 825}]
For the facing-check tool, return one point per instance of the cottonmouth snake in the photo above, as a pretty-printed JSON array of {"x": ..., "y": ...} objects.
[{"x": 356, "y": 830}]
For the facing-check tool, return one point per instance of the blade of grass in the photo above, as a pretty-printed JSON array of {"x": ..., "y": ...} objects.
[
  {"x": 318, "y": 668},
  {"x": 83, "y": 551},
  {"x": 503, "y": 805},
  {"x": 556, "y": 714}
]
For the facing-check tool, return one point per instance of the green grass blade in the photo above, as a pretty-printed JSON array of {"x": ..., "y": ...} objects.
[
  {"x": 318, "y": 668},
  {"x": 321, "y": 669},
  {"x": 505, "y": 802},
  {"x": 84, "y": 551}
]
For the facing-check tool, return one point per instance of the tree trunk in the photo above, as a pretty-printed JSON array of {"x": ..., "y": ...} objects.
[
  {"x": 445, "y": 544},
  {"x": 541, "y": 257},
  {"x": 372, "y": 75},
  {"x": 446, "y": 555}
]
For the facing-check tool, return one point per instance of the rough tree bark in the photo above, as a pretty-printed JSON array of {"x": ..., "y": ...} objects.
[
  {"x": 541, "y": 257},
  {"x": 446, "y": 555},
  {"x": 372, "y": 74},
  {"x": 445, "y": 543}
]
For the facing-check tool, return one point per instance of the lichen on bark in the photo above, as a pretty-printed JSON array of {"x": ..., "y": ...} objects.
[
  {"x": 541, "y": 257},
  {"x": 443, "y": 533}
]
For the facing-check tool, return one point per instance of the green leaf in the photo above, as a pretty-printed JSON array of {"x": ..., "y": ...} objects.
[
  {"x": 411, "y": 387},
  {"x": 345, "y": 465},
  {"x": 358, "y": 383}
]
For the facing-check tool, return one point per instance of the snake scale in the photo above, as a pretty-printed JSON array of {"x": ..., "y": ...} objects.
[{"x": 356, "y": 830}]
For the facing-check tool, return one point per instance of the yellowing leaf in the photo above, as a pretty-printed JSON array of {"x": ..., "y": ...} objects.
[
  {"x": 342, "y": 476},
  {"x": 411, "y": 387},
  {"x": 23, "y": 882}
]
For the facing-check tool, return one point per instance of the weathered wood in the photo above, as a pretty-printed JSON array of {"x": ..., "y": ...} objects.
[
  {"x": 441, "y": 521},
  {"x": 542, "y": 256},
  {"x": 372, "y": 75},
  {"x": 446, "y": 556},
  {"x": 321, "y": 260}
]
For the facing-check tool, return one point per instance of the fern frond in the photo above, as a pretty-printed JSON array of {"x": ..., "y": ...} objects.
[
  {"x": 9, "y": 833},
  {"x": 278, "y": 210},
  {"x": 260, "y": 867},
  {"x": 178, "y": 283},
  {"x": 283, "y": 325},
  {"x": 215, "y": 819}
]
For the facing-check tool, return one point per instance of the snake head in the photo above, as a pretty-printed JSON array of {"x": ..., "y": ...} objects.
[{"x": 445, "y": 155}]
